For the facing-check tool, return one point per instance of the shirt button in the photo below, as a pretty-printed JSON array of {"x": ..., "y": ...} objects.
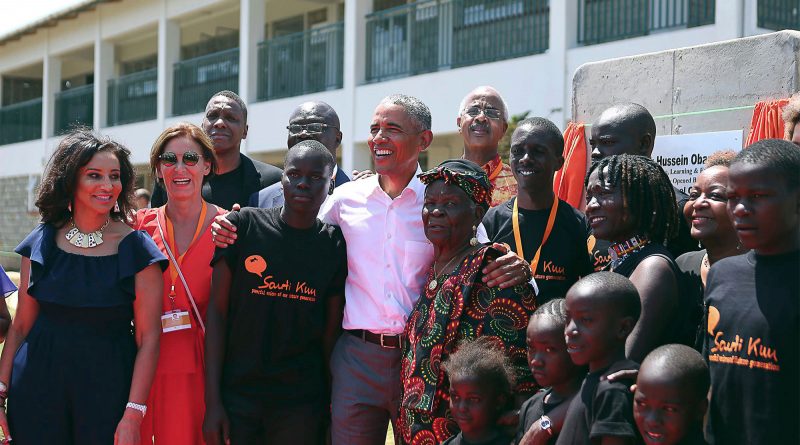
[
  {"x": 387, "y": 266},
  {"x": 388, "y": 235}
]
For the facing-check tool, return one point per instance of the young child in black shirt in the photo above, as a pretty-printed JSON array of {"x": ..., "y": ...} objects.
[
  {"x": 670, "y": 399},
  {"x": 542, "y": 416},
  {"x": 753, "y": 304},
  {"x": 481, "y": 378},
  {"x": 276, "y": 307},
  {"x": 602, "y": 309}
]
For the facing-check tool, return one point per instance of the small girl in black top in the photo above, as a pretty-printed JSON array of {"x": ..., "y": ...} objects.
[
  {"x": 542, "y": 416},
  {"x": 670, "y": 399},
  {"x": 481, "y": 379}
]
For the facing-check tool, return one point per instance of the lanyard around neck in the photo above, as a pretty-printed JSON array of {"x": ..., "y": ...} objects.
[
  {"x": 518, "y": 236},
  {"x": 173, "y": 245},
  {"x": 496, "y": 172}
]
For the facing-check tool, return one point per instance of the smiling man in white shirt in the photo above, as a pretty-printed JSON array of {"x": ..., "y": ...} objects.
[{"x": 388, "y": 257}]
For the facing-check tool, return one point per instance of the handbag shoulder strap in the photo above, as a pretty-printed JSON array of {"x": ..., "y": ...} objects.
[{"x": 180, "y": 275}]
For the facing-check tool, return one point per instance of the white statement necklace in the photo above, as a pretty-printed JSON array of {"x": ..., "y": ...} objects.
[{"x": 85, "y": 240}]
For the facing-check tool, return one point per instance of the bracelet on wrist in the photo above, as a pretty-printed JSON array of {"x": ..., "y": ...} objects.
[{"x": 138, "y": 407}]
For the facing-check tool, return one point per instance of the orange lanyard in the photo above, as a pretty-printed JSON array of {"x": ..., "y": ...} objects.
[
  {"x": 518, "y": 237},
  {"x": 173, "y": 272},
  {"x": 496, "y": 171}
]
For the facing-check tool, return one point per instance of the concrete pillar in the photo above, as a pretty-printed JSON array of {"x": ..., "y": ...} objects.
[
  {"x": 50, "y": 86},
  {"x": 729, "y": 18},
  {"x": 354, "y": 63},
  {"x": 169, "y": 48},
  {"x": 750, "y": 18},
  {"x": 103, "y": 72},
  {"x": 563, "y": 36},
  {"x": 251, "y": 33}
]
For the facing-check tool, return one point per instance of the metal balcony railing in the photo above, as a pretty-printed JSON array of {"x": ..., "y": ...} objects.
[
  {"x": 602, "y": 21},
  {"x": 779, "y": 14},
  {"x": 433, "y": 35},
  {"x": 197, "y": 79},
  {"x": 74, "y": 107},
  {"x": 132, "y": 98},
  {"x": 21, "y": 121},
  {"x": 301, "y": 63}
]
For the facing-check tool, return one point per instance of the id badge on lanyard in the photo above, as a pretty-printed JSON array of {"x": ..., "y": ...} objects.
[
  {"x": 178, "y": 319},
  {"x": 175, "y": 320}
]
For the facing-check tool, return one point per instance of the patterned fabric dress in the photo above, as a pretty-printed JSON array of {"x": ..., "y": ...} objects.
[
  {"x": 460, "y": 308},
  {"x": 504, "y": 186}
]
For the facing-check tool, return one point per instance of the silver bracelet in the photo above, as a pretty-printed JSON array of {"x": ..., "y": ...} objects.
[{"x": 137, "y": 407}]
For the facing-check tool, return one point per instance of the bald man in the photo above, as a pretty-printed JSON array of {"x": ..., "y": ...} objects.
[
  {"x": 482, "y": 121},
  {"x": 313, "y": 120},
  {"x": 628, "y": 128}
]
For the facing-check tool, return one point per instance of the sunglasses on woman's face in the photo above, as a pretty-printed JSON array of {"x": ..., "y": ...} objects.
[{"x": 168, "y": 158}]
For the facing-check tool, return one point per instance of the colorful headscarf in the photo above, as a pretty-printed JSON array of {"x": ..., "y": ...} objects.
[{"x": 464, "y": 174}]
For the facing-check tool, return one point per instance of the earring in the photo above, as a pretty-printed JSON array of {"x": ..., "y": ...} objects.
[
  {"x": 474, "y": 240},
  {"x": 69, "y": 207},
  {"x": 116, "y": 207}
]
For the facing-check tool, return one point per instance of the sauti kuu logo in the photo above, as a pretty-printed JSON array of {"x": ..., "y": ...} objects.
[
  {"x": 738, "y": 349},
  {"x": 283, "y": 288},
  {"x": 599, "y": 259}
]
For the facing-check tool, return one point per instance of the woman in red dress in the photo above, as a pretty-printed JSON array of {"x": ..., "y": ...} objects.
[{"x": 182, "y": 158}]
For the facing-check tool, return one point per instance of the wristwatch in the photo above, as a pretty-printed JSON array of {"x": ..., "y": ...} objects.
[{"x": 545, "y": 424}]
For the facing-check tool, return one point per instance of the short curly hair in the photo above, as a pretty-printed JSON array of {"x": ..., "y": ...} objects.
[
  {"x": 57, "y": 191},
  {"x": 721, "y": 157},
  {"x": 484, "y": 360},
  {"x": 791, "y": 116}
]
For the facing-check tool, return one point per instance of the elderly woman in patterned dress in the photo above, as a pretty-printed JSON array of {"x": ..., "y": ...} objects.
[{"x": 455, "y": 304}]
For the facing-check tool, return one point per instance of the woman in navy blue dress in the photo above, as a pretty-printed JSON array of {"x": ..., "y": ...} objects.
[
  {"x": 81, "y": 352},
  {"x": 7, "y": 287}
]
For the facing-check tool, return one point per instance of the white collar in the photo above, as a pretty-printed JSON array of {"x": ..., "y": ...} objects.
[{"x": 414, "y": 185}]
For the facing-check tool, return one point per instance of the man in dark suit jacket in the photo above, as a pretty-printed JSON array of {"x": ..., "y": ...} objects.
[
  {"x": 237, "y": 176},
  {"x": 310, "y": 120}
]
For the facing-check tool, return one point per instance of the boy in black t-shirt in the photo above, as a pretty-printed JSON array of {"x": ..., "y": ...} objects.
[
  {"x": 275, "y": 312},
  {"x": 752, "y": 340},
  {"x": 602, "y": 309},
  {"x": 670, "y": 399},
  {"x": 542, "y": 416},
  {"x": 547, "y": 232}
]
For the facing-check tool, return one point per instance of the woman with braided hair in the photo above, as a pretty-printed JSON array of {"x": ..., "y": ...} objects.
[{"x": 630, "y": 203}]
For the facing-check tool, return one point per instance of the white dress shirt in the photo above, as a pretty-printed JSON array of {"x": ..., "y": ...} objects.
[{"x": 388, "y": 255}]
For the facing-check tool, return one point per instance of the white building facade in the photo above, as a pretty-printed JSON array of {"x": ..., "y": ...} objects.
[{"x": 130, "y": 68}]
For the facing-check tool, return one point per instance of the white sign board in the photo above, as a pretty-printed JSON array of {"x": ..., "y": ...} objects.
[{"x": 683, "y": 156}]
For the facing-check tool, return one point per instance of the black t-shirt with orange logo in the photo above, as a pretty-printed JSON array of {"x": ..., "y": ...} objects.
[
  {"x": 564, "y": 258},
  {"x": 752, "y": 344},
  {"x": 682, "y": 243},
  {"x": 281, "y": 278},
  {"x": 603, "y": 408}
]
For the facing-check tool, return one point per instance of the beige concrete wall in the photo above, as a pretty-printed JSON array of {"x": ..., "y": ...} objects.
[
  {"x": 15, "y": 220},
  {"x": 727, "y": 74}
]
